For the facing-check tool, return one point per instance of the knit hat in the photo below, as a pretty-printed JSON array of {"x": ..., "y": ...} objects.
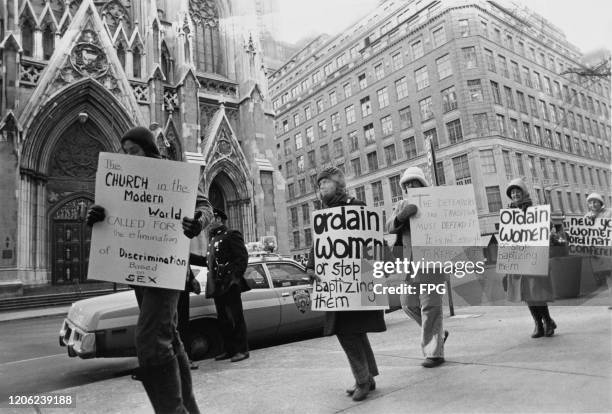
[
  {"x": 217, "y": 212},
  {"x": 414, "y": 173},
  {"x": 144, "y": 138},
  {"x": 595, "y": 196},
  {"x": 334, "y": 174},
  {"x": 517, "y": 183}
]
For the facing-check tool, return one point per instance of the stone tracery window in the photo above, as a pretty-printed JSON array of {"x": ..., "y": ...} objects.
[
  {"x": 48, "y": 40},
  {"x": 205, "y": 16},
  {"x": 165, "y": 61},
  {"x": 136, "y": 62},
  {"x": 27, "y": 37}
]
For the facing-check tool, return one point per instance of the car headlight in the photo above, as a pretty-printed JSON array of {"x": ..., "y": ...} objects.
[{"x": 88, "y": 343}]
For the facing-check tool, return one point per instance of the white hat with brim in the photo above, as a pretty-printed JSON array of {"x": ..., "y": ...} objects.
[
  {"x": 414, "y": 173},
  {"x": 595, "y": 196}
]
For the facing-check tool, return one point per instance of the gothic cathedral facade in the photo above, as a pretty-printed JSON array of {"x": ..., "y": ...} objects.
[{"x": 77, "y": 74}]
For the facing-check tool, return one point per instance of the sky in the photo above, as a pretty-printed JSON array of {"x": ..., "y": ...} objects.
[{"x": 586, "y": 23}]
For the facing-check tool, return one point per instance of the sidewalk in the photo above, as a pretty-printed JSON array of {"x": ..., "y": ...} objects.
[{"x": 492, "y": 366}]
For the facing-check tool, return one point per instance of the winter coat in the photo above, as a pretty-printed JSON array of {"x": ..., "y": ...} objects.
[
  {"x": 604, "y": 213},
  {"x": 226, "y": 259},
  {"x": 528, "y": 288},
  {"x": 350, "y": 322}
]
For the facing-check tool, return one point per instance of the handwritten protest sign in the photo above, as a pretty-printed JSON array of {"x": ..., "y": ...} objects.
[
  {"x": 523, "y": 241},
  {"x": 446, "y": 223},
  {"x": 141, "y": 241},
  {"x": 591, "y": 237},
  {"x": 345, "y": 241}
]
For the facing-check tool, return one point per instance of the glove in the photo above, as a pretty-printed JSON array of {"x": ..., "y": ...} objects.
[
  {"x": 95, "y": 214},
  {"x": 192, "y": 226},
  {"x": 405, "y": 210},
  {"x": 312, "y": 276}
]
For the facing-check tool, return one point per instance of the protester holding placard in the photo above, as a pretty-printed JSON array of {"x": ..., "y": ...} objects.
[
  {"x": 425, "y": 308},
  {"x": 351, "y": 327},
  {"x": 598, "y": 210},
  {"x": 164, "y": 365},
  {"x": 535, "y": 290}
]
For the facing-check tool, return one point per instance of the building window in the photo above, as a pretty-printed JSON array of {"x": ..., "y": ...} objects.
[
  {"x": 322, "y": 124},
  {"x": 469, "y": 57},
  {"x": 440, "y": 173},
  {"x": 307, "y": 237},
  {"x": 347, "y": 90},
  {"x": 516, "y": 73},
  {"x": 537, "y": 135},
  {"x": 309, "y": 135},
  {"x": 366, "y": 106},
  {"x": 533, "y": 107},
  {"x": 503, "y": 65},
  {"x": 439, "y": 36},
  {"x": 489, "y": 60},
  {"x": 527, "y": 76},
  {"x": 386, "y": 125},
  {"x": 401, "y": 88},
  {"x": 285, "y": 126},
  {"x": 349, "y": 111},
  {"x": 353, "y": 140},
  {"x": 383, "y": 98},
  {"x": 356, "y": 166},
  {"x": 494, "y": 199},
  {"x": 455, "y": 134},
  {"x": 291, "y": 190},
  {"x": 298, "y": 141},
  {"x": 288, "y": 168},
  {"x": 464, "y": 28},
  {"x": 335, "y": 122},
  {"x": 532, "y": 167},
  {"x": 363, "y": 82},
  {"x": 360, "y": 193},
  {"x": 379, "y": 71},
  {"x": 501, "y": 124},
  {"x": 519, "y": 164},
  {"x": 372, "y": 161},
  {"x": 410, "y": 148},
  {"x": 396, "y": 189},
  {"x": 397, "y": 60},
  {"x": 320, "y": 106},
  {"x": 536, "y": 80},
  {"x": 521, "y": 101},
  {"x": 444, "y": 67},
  {"x": 426, "y": 109},
  {"x": 417, "y": 49},
  {"x": 377, "y": 193},
  {"x": 475, "y": 90},
  {"x": 449, "y": 99},
  {"x": 405, "y": 117},
  {"x": 509, "y": 97},
  {"x": 305, "y": 213},
  {"x": 495, "y": 92},
  {"x": 324, "y": 153},
  {"x": 462, "y": 170},
  {"x": 481, "y": 122},
  {"x": 307, "y": 113},
  {"x": 368, "y": 132},
  {"x": 507, "y": 162},
  {"x": 311, "y": 159},
  {"x": 390, "y": 155},
  {"x": 338, "y": 149},
  {"x": 333, "y": 99},
  {"x": 421, "y": 77},
  {"x": 296, "y": 239},
  {"x": 514, "y": 129},
  {"x": 487, "y": 161},
  {"x": 302, "y": 183},
  {"x": 299, "y": 161},
  {"x": 296, "y": 120}
]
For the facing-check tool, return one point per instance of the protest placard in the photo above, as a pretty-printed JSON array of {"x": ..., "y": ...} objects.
[
  {"x": 446, "y": 223},
  {"x": 591, "y": 237},
  {"x": 141, "y": 241},
  {"x": 346, "y": 240},
  {"x": 523, "y": 241}
]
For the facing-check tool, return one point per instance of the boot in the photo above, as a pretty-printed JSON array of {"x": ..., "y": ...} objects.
[
  {"x": 549, "y": 324},
  {"x": 351, "y": 391},
  {"x": 163, "y": 386},
  {"x": 362, "y": 391},
  {"x": 538, "y": 331},
  {"x": 189, "y": 400}
]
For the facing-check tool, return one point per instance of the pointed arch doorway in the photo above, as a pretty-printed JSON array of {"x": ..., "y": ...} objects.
[{"x": 223, "y": 195}]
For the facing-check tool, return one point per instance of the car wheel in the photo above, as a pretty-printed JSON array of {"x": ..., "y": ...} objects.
[{"x": 204, "y": 341}]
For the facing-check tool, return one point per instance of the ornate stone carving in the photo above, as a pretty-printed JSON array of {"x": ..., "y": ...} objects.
[
  {"x": 204, "y": 12},
  {"x": 72, "y": 210},
  {"x": 115, "y": 13},
  {"x": 89, "y": 60},
  {"x": 170, "y": 100},
  {"x": 141, "y": 91},
  {"x": 29, "y": 73},
  {"x": 75, "y": 155}
]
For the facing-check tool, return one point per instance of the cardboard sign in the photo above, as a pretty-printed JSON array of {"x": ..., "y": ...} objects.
[
  {"x": 523, "y": 241},
  {"x": 141, "y": 241},
  {"x": 446, "y": 223},
  {"x": 591, "y": 237},
  {"x": 346, "y": 240}
]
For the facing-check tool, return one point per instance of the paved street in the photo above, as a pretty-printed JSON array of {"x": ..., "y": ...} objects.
[{"x": 493, "y": 366}]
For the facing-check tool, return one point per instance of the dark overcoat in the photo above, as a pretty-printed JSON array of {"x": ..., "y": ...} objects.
[
  {"x": 227, "y": 259},
  {"x": 350, "y": 322}
]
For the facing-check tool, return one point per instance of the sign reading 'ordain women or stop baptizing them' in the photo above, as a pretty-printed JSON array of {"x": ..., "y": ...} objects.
[
  {"x": 523, "y": 241},
  {"x": 346, "y": 241},
  {"x": 141, "y": 240}
]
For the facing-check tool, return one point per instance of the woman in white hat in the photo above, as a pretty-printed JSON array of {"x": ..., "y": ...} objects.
[
  {"x": 597, "y": 208},
  {"x": 424, "y": 308}
]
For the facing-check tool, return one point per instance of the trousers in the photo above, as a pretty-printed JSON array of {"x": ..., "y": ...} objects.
[
  {"x": 360, "y": 356},
  {"x": 426, "y": 310},
  {"x": 231, "y": 320}
]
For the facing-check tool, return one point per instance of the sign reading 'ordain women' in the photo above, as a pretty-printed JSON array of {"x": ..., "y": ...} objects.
[
  {"x": 346, "y": 241},
  {"x": 141, "y": 241}
]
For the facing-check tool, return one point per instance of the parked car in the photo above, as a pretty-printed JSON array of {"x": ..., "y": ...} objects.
[{"x": 278, "y": 305}]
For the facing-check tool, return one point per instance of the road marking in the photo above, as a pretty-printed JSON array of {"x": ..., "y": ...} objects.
[{"x": 30, "y": 359}]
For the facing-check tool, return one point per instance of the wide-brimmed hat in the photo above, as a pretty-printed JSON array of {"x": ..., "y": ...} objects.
[
  {"x": 414, "y": 173},
  {"x": 595, "y": 196}
]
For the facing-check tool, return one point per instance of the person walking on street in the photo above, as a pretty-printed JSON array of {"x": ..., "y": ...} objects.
[
  {"x": 536, "y": 291},
  {"x": 350, "y": 327},
  {"x": 163, "y": 363},
  {"x": 227, "y": 259},
  {"x": 424, "y": 308}
]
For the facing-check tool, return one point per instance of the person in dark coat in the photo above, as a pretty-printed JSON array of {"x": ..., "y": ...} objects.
[
  {"x": 351, "y": 327},
  {"x": 535, "y": 290},
  {"x": 227, "y": 258},
  {"x": 163, "y": 362}
]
